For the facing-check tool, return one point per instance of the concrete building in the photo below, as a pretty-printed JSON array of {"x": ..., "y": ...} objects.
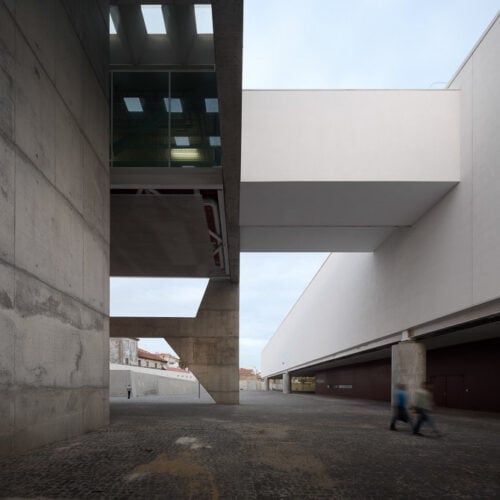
[
  {"x": 69, "y": 220},
  {"x": 410, "y": 186},
  {"x": 151, "y": 360},
  {"x": 408, "y": 179},
  {"x": 171, "y": 360}
]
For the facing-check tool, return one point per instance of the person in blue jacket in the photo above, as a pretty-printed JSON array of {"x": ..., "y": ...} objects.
[{"x": 400, "y": 407}]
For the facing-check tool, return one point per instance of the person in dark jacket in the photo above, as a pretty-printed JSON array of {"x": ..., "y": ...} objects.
[{"x": 400, "y": 407}]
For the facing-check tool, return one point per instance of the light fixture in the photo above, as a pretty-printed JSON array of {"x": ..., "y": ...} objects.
[
  {"x": 133, "y": 104},
  {"x": 175, "y": 105},
  {"x": 212, "y": 105},
  {"x": 203, "y": 17},
  {"x": 191, "y": 154},
  {"x": 153, "y": 19},
  {"x": 214, "y": 140},
  {"x": 181, "y": 141}
]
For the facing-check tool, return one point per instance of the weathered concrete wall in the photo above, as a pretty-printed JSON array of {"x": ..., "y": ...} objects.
[
  {"x": 207, "y": 344},
  {"x": 54, "y": 226},
  {"x": 146, "y": 382}
]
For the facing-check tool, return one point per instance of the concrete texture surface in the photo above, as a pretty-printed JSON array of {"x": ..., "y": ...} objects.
[
  {"x": 408, "y": 366},
  {"x": 54, "y": 222},
  {"x": 271, "y": 446}
]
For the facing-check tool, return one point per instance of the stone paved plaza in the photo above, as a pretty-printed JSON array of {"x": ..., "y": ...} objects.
[{"x": 271, "y": 446}]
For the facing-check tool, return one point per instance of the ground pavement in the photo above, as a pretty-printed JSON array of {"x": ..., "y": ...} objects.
[{"x": 271, "y": 446}]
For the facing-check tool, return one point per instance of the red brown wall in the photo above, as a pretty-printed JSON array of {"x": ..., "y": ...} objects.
[
  {"x": 368, "y": 380},
  {"x": 466, "y": 376}
]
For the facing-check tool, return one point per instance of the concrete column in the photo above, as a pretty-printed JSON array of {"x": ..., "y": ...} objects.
[
  {"x": 408, "y": 366},
  {"x": 266, "y": 384},
  {"x": 208, "y": 344},
  {"x": 54, "y": 222},
  {"x": 286, "y": 383}
]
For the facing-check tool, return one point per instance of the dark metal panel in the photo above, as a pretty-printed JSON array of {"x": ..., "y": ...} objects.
[
  {"x": 466, "y": 376},
  {"x": 159, "y": 236},
  {"x": 364, "y": 381}
]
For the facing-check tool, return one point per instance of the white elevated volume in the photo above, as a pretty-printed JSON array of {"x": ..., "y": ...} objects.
[
  {"x": 446, "y": 264},
  {"x": 339, "y": 169}
]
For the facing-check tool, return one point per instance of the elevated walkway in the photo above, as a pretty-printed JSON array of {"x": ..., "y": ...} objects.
[{"x": 339, "y": 170}]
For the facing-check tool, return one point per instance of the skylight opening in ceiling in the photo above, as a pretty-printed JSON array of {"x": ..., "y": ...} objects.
[
  {"x": 212, "y": 105},
  {"x": 153, "y": 19},
  {"x": 133, "y": 104},
  {"x": 175, "y": 105},
  {"x": 203, "y": 17},
  {"x": 181, "y": 141},
  {"x": 112, "y": 26}
]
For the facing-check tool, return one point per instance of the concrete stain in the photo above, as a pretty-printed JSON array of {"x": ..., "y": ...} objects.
[
  {"x": 274, "y": 446},
  {"x": 200, "y": 481},
  {"x": 5, "y": 300},
  {"x": 39, "y": 373},
  {"x": 32, "y": 300}
]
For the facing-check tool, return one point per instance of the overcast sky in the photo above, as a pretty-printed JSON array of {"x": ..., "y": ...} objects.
[{"x": 318, "y": 44}]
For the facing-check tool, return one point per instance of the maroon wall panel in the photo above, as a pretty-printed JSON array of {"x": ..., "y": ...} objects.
[
  {"x": 364, "y": 381},
  {"x": 467, "y": 375}
]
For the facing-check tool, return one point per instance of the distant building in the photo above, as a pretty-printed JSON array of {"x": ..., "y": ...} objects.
[
  {"x": 172, "y": 361},
  {"x": 123, "y": 351},
  {"x": 250, "y": 380},
  {"x": 249, "y": 374},
  {"x": 149, "y": 360}
]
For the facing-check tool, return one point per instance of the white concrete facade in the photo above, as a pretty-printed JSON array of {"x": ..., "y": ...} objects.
[
  {"x": 339, "y": 170},
  {"x": 447, "y": 262}
]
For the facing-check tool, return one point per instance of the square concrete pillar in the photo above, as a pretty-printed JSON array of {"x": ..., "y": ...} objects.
[
  {"x": 286, "y": 383},
  {"x": 408, "y": 366}
]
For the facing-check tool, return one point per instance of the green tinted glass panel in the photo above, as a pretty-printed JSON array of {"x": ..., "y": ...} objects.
[{"x": 165, "y": 119}]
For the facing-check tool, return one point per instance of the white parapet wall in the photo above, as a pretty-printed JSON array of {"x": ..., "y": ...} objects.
[
  {"x": 349, "y": 135},
  {"x": 445, "y": 264},
  {"x": 147, "y": 381}
]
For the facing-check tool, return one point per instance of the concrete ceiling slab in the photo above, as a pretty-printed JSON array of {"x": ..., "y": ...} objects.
[
  {"x": 312, "y": 239},
  {"x": 331, "y": 216},
  {"x": 159, "y": 236},
  {"x": 338, "y": 203}
]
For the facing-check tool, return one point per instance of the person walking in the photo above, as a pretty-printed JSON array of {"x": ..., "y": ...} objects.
[
  {"x": 399, "y": 408},
  {"x": 423, "y": 407},
  {"x": 129, "y": 391}
]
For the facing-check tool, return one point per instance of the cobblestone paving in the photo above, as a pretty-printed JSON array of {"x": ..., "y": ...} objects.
[{"x": 271, "y": 446}]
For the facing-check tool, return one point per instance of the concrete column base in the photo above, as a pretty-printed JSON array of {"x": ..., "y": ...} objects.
[
  {"x": 408, "y": 366},
  {"x": 266, "y": 384}
]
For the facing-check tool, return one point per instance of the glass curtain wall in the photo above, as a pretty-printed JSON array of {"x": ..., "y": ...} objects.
[{"x": 165, "y": 119}]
